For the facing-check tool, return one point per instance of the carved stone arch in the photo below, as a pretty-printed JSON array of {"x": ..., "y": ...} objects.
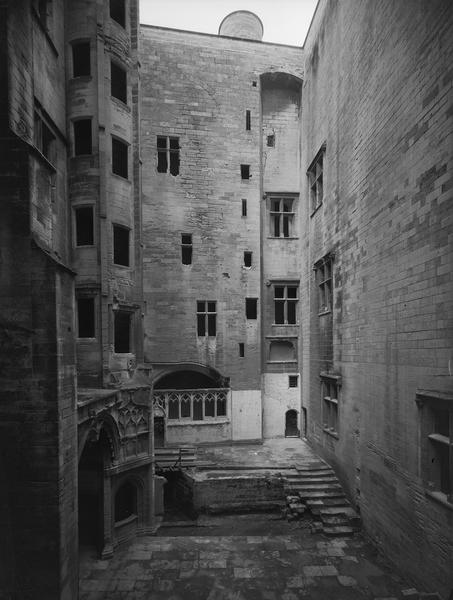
[
  {"x": 176, "y": 369},
  {"x": 102, "y": 422}
]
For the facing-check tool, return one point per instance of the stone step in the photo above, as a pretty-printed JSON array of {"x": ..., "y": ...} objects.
[
  {"x": 312, "y": 468},
  {"x": 312, "y": 484},
  {"x": 336, "y": 511},
  {"x": 315, "y": 479},
  {"x": 317, "y": 487},
  {"x": 337, "y": 520},
  {"x": 320, "y": 495},
  {"x": 339, "y": 531}
]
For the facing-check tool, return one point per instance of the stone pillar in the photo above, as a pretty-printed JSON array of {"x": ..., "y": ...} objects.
[{"x": 107, "y": 550}]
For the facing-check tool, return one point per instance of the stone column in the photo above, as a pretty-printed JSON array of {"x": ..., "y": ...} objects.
[{"x": 107, "y": 550}]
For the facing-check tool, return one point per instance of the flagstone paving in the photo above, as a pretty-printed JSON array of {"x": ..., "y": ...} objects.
[{"x": 252, "y": 557}]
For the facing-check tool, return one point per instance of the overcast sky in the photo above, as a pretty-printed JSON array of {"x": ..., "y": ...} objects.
[{"x": 285, "y": 21}]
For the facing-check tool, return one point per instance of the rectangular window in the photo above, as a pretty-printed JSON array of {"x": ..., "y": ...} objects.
[
  {"x": 84, "y": 226},
  {"x": 121, "y": 245},
  {"x": 186, "y": 248},
  {"x": 315, "y": 175},
  {"x": 82, "y": 137},
  {"x": 85, "y": 318},
  {"x": 247, "y": 259},
  {"x": 206, "y": 318},
  {"x": 118, "y": 82},
  {"x": 285, "y": 304},
  {"x": 330, "y": 405},
  {"x": 251, "y": 308},
  {"x": 245, "y": 171},
  {"x": 168, "y": 155},
  {"x": 281, "y": 217},
  {"x": 271, "y": 141},
  {"x": 293, "y": 381},
  {"x": 122, "y": 331},
  {"x": 118, "y": 11},
  {"x": 81, "y": 59},
  {"x": 120, "y": 158},
  {"x": 241, "y": 350},
  {"x": 244, "y": 207},
  {"x": 323, "y": 273},
  {"x": 44, "y": 139},
  {"x": 248, "y": 120}
]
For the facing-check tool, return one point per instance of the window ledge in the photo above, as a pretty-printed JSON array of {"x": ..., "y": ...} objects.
[
  {"x": 439, "y": 497},
  {"x": 191, "y": 423},
  {"x": 316, "y": 210},
  {"x": 81, "y": 78},
  {"x": 291, "y": 237},
  {"x": 285, "y": 324},
  {"x": 324, "y": 312},
  {"x": 124, "y": 179},
  {"x": 87, "y": 340},
  {"x": 333, "y": 434},
  {"x": 120, "y": 103}
]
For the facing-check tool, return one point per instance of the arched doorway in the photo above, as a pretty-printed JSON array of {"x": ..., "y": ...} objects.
[{"x": 291, "y": 429}]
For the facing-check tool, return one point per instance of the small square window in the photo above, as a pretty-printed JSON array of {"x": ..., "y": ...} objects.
[
  {"x": 293, "y": 381},
  {"x": 271, "y": 141},
  {"x": 121, "y": 245},
  {"x": 82, "y": 137},
  {"x": 81, "y": 59},
  {"x": 245, "y": 172},
  {"x": 251, "y": 308},
  {"x": 118, "y": 11},
  {"x": 120, "y": 158},
  {"x": 84, "y": 226}
]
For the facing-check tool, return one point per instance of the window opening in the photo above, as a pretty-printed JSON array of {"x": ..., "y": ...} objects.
[
  {"x": 323, "y": 273},
  {"x": 245, "y": 172},
  {"x": 82, "y": 137},
  {"x": 285, "y": 304},
  {"x": 293, "y": 381},
  {"x": 271, "y": 141},
  {"x": 85, "y": 317},
  {"x": 168, "y": 155},
  {"x": 330, "y": 405},
  {"x": 248, "y": 116},
  {"x": 282, "y": 216},
  {"x": 186, "y": 248},
  {"x": 120, "y": 158},
  {"x": 121, "y": 245},
  {"x": 125, "y": 501},
  {"x": 81, "y": 59},
  {"x": 241, "y": 349},
  {"x": 122, "y": 326},
  {"x": 118, "y": 11},
  {"x": 84, "y": 226},
  {"x": 244, "y": 207},
  {"x": 206, "y": 318},
  {"x": 315, "y": 177},
  {"x": 281, "y": 351},
  {"x": 44, "y": 139},
  {"x": 247, "y": 259},
  {"x": 118, "y": 82},
  {"x": 251, "y": 308}
]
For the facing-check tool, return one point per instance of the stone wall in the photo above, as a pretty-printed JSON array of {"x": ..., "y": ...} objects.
[{"x": 378, "y": 93}]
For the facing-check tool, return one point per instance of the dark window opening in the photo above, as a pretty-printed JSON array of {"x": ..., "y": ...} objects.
[
  {"x": 285, "y": 304},
  {"x": 168, "y": 155},
  {"x": 244, "y": 207},
  {"x": 125, "y": 501},
  {"x": 254, "y": 83},
  {"x": 81, "y": 59},
  {"x": 247, "y": 259},
  {"x": 118, "y": 11},
  {"x": 271, "y": 141},
  {"x": 84, "y": 226},
  {"x": 173, "y": 409},
  {"x": 120, "y": 158},
  {"x": 122, "y": 322},
  {"x": 323, "y": 272},
  {"x": 44, "y": 139},
  {"x": 315, "y": 177},
  {"x": 118, "y": 82},
  {"x": 186, "y": 248},
  {"x": 82, "y": 137},
  {"x": 85, "y": 317},
  {"x": 121, "y": 245},
  {"x": 44, "y": 10},
  {"x": 206, "y": 318},
  {"x": 281, "y": 215},
  {"x": 245, "y": 171},
  {"x": 330, "y": 405},
  {"x": 251, "y": 308},
  {"x": 248, "y": 120},
  {"x": 293, "y": 381},
  {"x": 241, "y": 350}
]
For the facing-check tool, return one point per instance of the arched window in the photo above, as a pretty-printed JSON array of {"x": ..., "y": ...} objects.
[{"x": 125, "y": 501}]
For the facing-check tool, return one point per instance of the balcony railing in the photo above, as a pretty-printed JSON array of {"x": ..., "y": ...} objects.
[{"x": 193, "y": 405}]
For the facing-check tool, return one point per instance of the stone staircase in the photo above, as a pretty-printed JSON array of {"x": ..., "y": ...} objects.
[{"x": 315, "y": 487}]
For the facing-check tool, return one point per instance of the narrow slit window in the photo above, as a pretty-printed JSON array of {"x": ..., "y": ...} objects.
[
  {"x": 245, "y": 171},
  {"x": 85, "y": 318},
  {"x": 121, "y": 245},
  {"x": 206, "y": 318},
  {"x": 251, "y": 308},
  {"x": 81, "y": 59},
  {"x": 118, "y": 11},
  {"x": 84, "y": 226},
  {"x": 186, "y": 248},
  {"x": 118, "y": 82},
  {"x": 248, "y": 120},
  {"x": 241, "y": 350},
  {"x": 120, "y": 158},
  {"x": 82, "y": 137},
  {"x": 244, "y": 207},
  {"x": 122, "y": 327},
  {"x": 247, "y": 259}
]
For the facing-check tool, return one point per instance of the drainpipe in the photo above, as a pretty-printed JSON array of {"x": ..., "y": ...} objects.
[{"x": 151, "y": 486}]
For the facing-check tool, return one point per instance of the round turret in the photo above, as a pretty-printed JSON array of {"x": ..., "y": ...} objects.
[{"x": 242, "y": 24}]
